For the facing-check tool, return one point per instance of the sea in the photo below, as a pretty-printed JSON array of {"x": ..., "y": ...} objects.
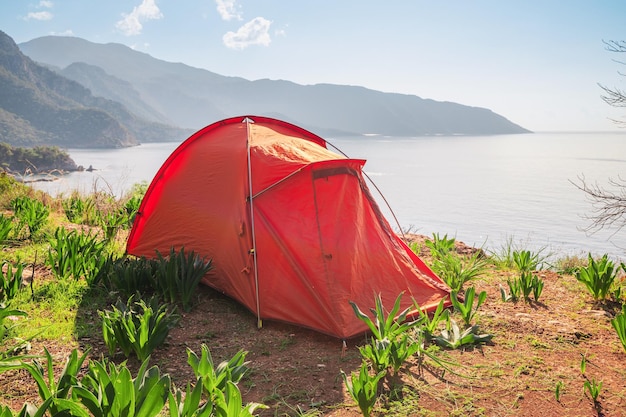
[{"x": 494, "y": 192}]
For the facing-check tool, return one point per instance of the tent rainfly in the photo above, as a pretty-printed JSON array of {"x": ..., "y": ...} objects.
[{"x": 292, "y": 228}]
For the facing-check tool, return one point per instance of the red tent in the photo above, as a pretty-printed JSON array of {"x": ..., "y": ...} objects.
[{"x": 291, "y": 227}]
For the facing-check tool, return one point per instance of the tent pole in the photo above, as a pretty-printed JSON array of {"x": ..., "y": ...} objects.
[{"x": 253, "y": 250}]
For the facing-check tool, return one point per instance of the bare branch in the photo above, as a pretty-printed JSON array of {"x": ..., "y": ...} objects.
[
  {"x": 615, "y": 46},
  {"x": 609, "y": 206},
  {"x": 615, "y": 98}
]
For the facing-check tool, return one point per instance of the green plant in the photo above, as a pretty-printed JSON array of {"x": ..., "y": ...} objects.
[
  {"x": 453, "y": 338},
  {"x": 427, "y": 324},
  {"x": 57, "y": 393},
  {"x": 128, "y": 275},
  {"x": 558, "y": 389},
  {"x": 74, "y": 208},
  {"x": 178, "y": 275},
  {"x": 598, "y": 276},
  {"x": 440, "y": 246},
  {"x": 131, "y": 207},
  {"x": 137, "y": 327},
  {"x": 514, "y": 288},
  {"x": 74, "y": 254},
  {"x": 583, "y": 364},
  {"x": 30, "y": 212},
  {"x": 220, "y": 383},
  {"x": 6, "y": 225},
  {"x": 401, "y": 349},
  {"x": 456, "y": 270},
  {"x": 537, "y": 286},
  {"x": 525, "y": 260},
  {"x": 228, "y": 403},
  {"x": 5, "y": 312},
  {"x": 594, "y": 388},
  {"x": 215, "y": 378},
  {"x": 11, "y": 280},
  {"x": 389, "y": 333},
  {"x": 619, "y": 324},
  {"x": 363, "y": 388},
  {"x": 569, "y": 264},
  {"x": 466, "y": 308},
  {"x": 189, "y": 403},
  {"x": 109, "y": 390},
  {"x": 111, "y": 221},
  {"x": 523, "y": 285}
]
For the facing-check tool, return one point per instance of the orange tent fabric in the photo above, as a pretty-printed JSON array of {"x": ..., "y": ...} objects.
[{"x": 292, "y": 228}]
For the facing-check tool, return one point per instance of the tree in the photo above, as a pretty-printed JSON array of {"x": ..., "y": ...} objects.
[
  {"x": 614, "y": 96},
  {"x": 609, "y": 202}
]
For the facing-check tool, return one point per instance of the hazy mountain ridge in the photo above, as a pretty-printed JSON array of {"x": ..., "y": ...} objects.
[
  {"x": 40, "y": 107},
  {"x": 192, "y": 97}
]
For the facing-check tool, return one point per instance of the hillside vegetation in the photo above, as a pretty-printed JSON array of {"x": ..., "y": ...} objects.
[
  {"x": 83, "y": 329},
  {"x": 39, "y": 159},
  {"x": 41, "y": 107}
]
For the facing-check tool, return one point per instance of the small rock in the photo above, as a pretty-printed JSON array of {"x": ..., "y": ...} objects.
[{"x": 596, "y": 313}]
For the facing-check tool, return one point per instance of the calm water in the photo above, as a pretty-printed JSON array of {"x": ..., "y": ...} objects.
[{"x": 484, "y": 190}]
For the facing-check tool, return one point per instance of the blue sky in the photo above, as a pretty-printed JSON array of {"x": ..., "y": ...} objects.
[{"x": 536, "y": 62}]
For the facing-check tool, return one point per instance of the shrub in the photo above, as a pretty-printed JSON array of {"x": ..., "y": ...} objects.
[
  {"x": 10, "y": 280},
  {"x": 30, "y": 212},
  {"x": 598, "y": 276},
  {"x": 525, "y": 284},
  {"x": 110, "y": 390},
  {"x": 619, "y": 324},
  {"x": 214, "y": 378},
  {"x": 6, "y": 225},
  {"x": 440, "y": 246},
  {"x": 76, "y": 254},
  {"x": 428, "y": 324},
  {"x": 570, "y": 264},
  {"x": 178, "y": 275},
  {"x": 453, "y": 338},
  {"x": 56, "y": 394},
  {"x": 137, "y": 327},
  {"x": 111, "y": 221},
  {"x": 74, "y": 208},
  {"x": 390, "y": 335},
  {"x": 456, "y": 270},
  {"x": 131, "y": 207},
  {"x": 128, "y": 275},
  {"x": 525, "y": 260},
  {"x": 363, "y": 388},
  {"x": 466, "y": 307},
  {"x": 511, "y": 255}
]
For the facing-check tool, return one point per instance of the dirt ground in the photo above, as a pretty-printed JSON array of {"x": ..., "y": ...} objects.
[{"x": 296, "y": 371}]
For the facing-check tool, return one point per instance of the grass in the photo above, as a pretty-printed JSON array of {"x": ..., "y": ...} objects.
[{"x": 52, "y": 310}]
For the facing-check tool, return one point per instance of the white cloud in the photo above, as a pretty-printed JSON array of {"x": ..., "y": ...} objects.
[
  {"x": 229, "y": 9},
  {"x": 255, "y": 32},
  {"x": 68, "y": 32},
  {"x": 39, "y": 16},
  {"x": 45, "y": 4},
  {"x": 132, "y": 23}
]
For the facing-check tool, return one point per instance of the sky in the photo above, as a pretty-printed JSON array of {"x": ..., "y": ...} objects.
[{"x": 538, "y": 63}]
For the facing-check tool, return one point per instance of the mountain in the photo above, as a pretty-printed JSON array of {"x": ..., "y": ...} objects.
[
  {"x": 192, "y": 97},
  {"x": 40, "y": 107}
]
